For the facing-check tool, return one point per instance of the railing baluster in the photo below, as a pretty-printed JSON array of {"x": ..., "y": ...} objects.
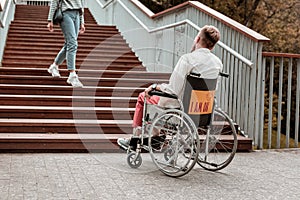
[
  {"x": 289, "y": 94},
  {"x": 270, "y": 116},
  {"x": 239, "y": 92},
  {"x": 234, "y": 76},
  {"x": 256, "y": 95},
  {"x": 279, "y": 103},
  {"x": 245, "y": 99},
  {"x": 297, "y": 105},
  {"x": 231, "y": 85}
]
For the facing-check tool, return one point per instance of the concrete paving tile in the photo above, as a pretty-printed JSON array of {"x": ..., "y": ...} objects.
[{"x": 266, "y": 174}]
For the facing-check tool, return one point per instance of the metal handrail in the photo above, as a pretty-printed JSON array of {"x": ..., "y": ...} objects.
[
  {"x": 104, "y": 5},
  {"x": 186, "y": 21}
]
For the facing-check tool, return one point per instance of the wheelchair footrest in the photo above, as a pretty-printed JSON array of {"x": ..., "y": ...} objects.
[{"x": 155, "y": 141}]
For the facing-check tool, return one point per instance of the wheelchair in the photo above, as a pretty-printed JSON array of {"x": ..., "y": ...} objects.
[{"x": 195, "y": 132}]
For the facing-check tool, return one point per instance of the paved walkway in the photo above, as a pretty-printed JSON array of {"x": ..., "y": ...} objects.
[{"x": 264, "y": 175}]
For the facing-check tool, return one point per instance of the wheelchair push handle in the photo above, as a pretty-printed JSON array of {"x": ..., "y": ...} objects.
[
  {"x": 223, "y": 74},
  {"x": 162, "y": 94}
]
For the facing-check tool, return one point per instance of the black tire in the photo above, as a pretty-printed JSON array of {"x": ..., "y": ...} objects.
[
  {"x": 175, "y": 150},
  {"x": 218, "y": 149}
]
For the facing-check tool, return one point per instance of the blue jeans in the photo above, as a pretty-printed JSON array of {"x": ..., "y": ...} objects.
[{"x": 70, "y": 28}]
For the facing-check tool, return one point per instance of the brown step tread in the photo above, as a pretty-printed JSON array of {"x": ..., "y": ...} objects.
[
  {"x": 60, "y": 112},
  {"x": 112, "y": 50},
  {"x": 45, "y": 136},
  {"x": 62, "y": 142},
  {"x": 54, "y": 50},
  {"x": 80, "y": 56},
  {"x": 83, "y": 67},
  {"x": 116, "y": 65},
  {"x": 65, "y": 108},
  {"x": 57, "y": 31},
  {"x": 87, "y": 39},
  {"x": 43, "y": 24},
  {"x": 67, "y": 126},
  {"x": 54, "y": 38},
  {"x": 105, "y": 44},
  {"x": 68, "y": 90},
  {"x": 66, "y": 101},
  {"x": 87, "y": 59},
  {"x": 87, "y": 81},
  {"x": 86, "y": 73},
  {"x": 66, "y": 122}
]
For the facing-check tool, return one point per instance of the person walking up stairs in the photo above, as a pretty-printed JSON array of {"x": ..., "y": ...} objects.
[{"x": 73, "y": 21}]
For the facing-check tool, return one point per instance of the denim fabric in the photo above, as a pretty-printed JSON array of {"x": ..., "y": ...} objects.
[{"x": 70, "y": 28}]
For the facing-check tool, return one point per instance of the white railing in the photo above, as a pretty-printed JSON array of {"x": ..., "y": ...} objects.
[
  {"x": 282, "y": 72},
  {"x": 6, "y": 16},
  {"x": 34, "y": 2},
  {"x": 160, "y": 39}
]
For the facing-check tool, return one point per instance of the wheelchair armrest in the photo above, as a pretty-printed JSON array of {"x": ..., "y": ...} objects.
[{"x": 163, "y": 94}]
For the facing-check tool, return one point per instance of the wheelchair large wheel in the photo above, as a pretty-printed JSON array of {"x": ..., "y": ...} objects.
[
  {"x": 174, "y": 143},
  {"x": 218, "y": 147}
]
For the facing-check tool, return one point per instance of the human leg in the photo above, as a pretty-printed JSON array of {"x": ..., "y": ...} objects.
[
  {"x": 61, "y": 56},
  {"x": 139, "y": 108},
  {"x": 70, "y": 28},
  {"x": 137, "y": 118}
]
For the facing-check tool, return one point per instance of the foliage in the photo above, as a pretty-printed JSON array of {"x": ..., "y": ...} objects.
[{"x": 276, "y": 19}]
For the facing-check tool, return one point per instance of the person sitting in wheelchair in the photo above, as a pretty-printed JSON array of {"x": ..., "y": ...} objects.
[{"x": 201, "y": 60}]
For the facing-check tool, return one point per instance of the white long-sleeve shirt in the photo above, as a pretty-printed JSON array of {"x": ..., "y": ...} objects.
[
  {"x": 200, "y": 61},
  {"x": 66, "y": 4}
]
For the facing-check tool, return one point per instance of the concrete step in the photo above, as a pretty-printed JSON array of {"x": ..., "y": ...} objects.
[
  {"x": 87, "y": 81},
  {"x": 69, "y": 126},
  {"x": 86, "y": 73},
  {"x": 90, "y": 102},
  {"x": 80, "y": 66},
  {"x": 47, "y": 142},
  {"x": 66, "y": 112},
  {"x": 69, "y": 90}
]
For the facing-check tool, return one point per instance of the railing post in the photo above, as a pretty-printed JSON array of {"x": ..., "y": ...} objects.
[
  {"x": 297, "y": 104},
  {"x": 252, "y": 94},
  {"x": 289, "y": 96},
  {"x": 259, "y": 109},
  {"x": 270, "y": 116},
  {"x": 279, "y": 103}
]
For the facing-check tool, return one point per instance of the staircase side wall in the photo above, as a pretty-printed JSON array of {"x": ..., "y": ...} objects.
[{"x": 6, "y": 16}]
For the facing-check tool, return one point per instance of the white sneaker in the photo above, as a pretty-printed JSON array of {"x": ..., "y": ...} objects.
[
  {"x": 53, "y": 70},
  {"x": 123, "y": 143},
  {"x": 74, "y": 81}
]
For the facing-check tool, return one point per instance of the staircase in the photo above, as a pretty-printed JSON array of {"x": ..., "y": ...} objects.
[
  {"x": 42, "y": 113},
  {"x": 39, "y": 112}
]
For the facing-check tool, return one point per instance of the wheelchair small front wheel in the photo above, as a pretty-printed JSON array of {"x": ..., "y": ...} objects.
[{"x": 134, "y": 160}]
